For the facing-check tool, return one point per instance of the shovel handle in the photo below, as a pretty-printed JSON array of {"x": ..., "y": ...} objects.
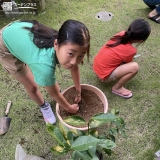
[{"x": 8, "y": 107}]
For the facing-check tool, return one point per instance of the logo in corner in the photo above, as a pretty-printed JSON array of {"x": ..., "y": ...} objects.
[{"x": 7, "y": 6}]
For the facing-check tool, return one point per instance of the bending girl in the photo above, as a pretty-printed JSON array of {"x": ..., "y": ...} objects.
[
  {"x": 114, "y": 60},
  {"x": 30, "y": 51}
]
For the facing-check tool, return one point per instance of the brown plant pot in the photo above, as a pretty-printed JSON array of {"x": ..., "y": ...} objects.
[{"x": 94, "y": 89}]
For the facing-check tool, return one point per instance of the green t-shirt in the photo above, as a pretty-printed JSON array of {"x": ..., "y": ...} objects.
[{"x": 41, "y": 61}]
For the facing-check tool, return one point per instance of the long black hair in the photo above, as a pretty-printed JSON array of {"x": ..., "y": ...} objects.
[
  {"x": 139, "y": 29},
  {"x": 71, "y": 31},
  {"x": 43, "y": 35}
]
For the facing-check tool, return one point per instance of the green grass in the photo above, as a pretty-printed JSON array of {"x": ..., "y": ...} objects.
[{"x": 141, "y": 113}]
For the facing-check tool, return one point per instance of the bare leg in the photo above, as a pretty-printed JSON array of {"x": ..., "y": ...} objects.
[
  {"x": 31, "y": 88},
  {"x": 124, "y": 73}
]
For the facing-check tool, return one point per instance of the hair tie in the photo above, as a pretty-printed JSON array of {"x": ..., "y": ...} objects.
[{"x": 67, "y": 37}]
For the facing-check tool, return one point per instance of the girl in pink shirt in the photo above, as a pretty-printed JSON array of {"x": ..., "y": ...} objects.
[{"x": 114, "y": 60}]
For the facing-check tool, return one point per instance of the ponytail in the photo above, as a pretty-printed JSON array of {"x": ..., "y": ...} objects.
[
  {"x": 120, "y": 39},
  {"x": 43, "y": 36},
  {"x": 139, "y": 30}
]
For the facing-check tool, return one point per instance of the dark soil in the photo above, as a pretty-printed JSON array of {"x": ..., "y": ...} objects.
[{"x": 89, "y": 105}]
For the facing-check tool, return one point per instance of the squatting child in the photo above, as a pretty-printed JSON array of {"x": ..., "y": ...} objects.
[{"x": 114, "y": 60}]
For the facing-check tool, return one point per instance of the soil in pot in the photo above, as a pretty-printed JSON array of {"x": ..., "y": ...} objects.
[{"x": 89, "y": 105}]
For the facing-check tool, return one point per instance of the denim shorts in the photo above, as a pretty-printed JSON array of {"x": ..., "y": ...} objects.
[{"x": 9, "y": 62}]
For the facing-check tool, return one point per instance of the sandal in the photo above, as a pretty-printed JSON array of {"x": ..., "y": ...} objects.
[
  {"x": 154, "y": 18},
  {"x": 121, "y": 95}
]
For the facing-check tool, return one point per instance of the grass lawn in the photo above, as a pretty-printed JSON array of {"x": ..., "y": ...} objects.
[{"x": 141, "y": 113}]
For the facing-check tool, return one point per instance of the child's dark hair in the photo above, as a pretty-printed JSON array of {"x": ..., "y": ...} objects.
[
  {"x": 71, "y": 31},
  {"x": 75, "y": 32},
  {"x": 138, "y": 30},
  {"x": 43, "y": 36}
]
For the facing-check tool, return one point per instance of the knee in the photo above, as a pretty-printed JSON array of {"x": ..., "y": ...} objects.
[
  {"x": 135, "y": 68},
  {"x": 32, "y": 89}
]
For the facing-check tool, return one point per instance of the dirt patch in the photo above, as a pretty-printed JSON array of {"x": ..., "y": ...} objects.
[{"x": 89, "y": 105}]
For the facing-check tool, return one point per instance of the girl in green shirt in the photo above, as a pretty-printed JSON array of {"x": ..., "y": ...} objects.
[{"x": 30, "y": 51}]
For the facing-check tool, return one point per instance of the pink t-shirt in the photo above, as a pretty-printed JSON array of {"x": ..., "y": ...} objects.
[{"x": 109, "y": 58}]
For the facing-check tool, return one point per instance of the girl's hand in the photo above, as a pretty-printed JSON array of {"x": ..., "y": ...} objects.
[
  {"x": 77, "y": 99},
  {"x": 73, "y": 108}
]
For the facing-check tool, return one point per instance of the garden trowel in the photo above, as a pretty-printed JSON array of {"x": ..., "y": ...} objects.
[{"x": 5, "y": 121}]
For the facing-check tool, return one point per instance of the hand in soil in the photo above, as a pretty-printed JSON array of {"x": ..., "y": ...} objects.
[
  {"x": 89, "y": 105},
  {"x": 77, "y": 99},
  {"x": 73, "y": 108}
]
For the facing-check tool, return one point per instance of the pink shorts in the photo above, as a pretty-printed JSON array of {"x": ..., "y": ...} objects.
[{"x": 9, "y": 62}]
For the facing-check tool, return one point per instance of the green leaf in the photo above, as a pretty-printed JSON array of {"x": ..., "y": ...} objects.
[
  {"x": 114, "y": 131},
  {"x": 95, "y": 123},
  {"x": 84, "y": 142},
  {"x": 56, "y": 134},
  {"x": 74, "y": 156},
  {"x": 112, "y": 138},
  {"x": 116, "y": 122},
  {"x": 59, "y": 150},
  {"x": 77, "y": 132},
  {"x": 108, "y": 117},
  {"x": 99, "y": 150},
  {"x": 92, "y": 152},
  {"x": 121, "y": 120},
  {"x": 117, "y": 111},
  {"x": 82, "y": 156},
  {"x": 113, "y": 111},
  {"x": 102, "y": 137},
  {"x": 66, "y": 133},
  {"x": 70, "y": 137},
  {"x": 94, "y": 133},
  {"x": 123, "y": 133},
  {"x": 75, "y": 120},
  {"x": 108, "y": 151},
  {"x": 64, "y": 130},
  {"x": 106, "y": 143}
]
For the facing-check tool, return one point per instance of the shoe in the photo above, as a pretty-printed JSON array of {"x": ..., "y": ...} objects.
[
  {"x": 154, "y": 18},
  {"x": 48, "y": 114},
  {"x": 121, "y": 95}
]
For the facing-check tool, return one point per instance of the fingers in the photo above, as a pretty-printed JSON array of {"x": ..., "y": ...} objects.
[
  {"x": 77, "y": 99},
  {"x": 73, "y": 108}
]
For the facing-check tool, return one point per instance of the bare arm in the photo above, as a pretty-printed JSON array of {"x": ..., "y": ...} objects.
[
  {"x": 76, "y": 79},
  {"x": 54, "y": 92}
]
